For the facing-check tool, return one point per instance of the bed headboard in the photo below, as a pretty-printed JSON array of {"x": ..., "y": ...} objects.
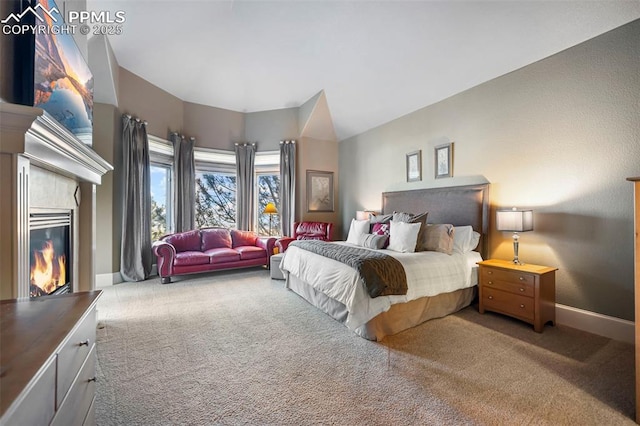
[{"x": 457, "y": 205}]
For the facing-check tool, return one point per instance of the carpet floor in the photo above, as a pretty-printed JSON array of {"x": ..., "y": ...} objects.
[{"x": 237, "y": 348}]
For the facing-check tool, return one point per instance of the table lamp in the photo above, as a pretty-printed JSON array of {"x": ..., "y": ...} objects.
[
  {"x": 270, "y": 209},
  {"x": 515, "y": 221}
]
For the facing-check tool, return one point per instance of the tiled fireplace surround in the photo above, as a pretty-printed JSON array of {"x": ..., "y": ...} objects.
[{"x": 43, "y": 167}]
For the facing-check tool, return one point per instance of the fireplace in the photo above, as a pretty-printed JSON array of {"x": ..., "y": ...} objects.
[{"x": 50, "y": 254}]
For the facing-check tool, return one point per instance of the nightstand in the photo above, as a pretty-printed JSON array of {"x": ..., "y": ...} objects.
[{"x": 526, "y": 292}]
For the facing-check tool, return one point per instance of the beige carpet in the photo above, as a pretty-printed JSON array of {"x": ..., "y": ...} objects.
[{"x": 237, "y": 348}]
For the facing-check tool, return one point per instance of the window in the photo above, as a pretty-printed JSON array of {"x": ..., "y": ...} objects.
[
  {"x": 161, "y": 168},
  {"x": 268, "y": 192}
]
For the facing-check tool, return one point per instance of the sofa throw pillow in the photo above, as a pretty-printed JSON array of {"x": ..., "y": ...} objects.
[
  {"x": 373, "y": 241},
  {"x": 439, "y": 237},
  {"x": 403, "y": 236},
  {"x": 357, "y": 228}
]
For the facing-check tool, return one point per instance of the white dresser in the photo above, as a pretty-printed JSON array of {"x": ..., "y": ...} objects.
[{"x": 48, "y": 359}]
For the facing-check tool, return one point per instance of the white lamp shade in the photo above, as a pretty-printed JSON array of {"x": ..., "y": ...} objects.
[{"x": 514, "y": 220}]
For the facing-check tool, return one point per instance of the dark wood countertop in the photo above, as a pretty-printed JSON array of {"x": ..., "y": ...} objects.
[{"x": 31, "y": 331}]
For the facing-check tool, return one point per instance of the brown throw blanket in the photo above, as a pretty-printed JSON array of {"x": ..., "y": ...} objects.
[{"x": 383, "y": 275}]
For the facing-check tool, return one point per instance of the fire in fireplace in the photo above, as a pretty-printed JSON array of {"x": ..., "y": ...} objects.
[{"x": 50, "y": 254}]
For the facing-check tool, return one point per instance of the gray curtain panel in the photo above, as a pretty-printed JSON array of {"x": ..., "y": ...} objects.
[
  {"x": 185, "y": 182},
  {"x": 287, "y": 186},
  {"x": 245, "y": 182},
  {"x": 135, "y": 253}
]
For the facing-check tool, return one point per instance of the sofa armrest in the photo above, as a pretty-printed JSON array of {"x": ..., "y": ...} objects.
[
  {"x": 166, "y": 254},
  {"x": 283, "y": 243},
  {"x": 267, "y": 243}
]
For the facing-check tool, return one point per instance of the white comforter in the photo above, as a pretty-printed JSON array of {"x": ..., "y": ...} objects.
[{"x": 428, "y": 273}]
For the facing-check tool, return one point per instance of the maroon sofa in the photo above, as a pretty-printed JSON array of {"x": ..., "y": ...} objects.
[
  {"x": 210, "y": 249},
  {"x": 307, "y": 231}
]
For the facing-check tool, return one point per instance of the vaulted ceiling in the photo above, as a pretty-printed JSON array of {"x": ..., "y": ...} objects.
[{"x": 374, "y": 60}]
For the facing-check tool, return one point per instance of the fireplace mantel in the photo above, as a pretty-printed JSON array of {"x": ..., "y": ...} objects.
[
  {"x": 33, "y": 133},
  {"x": 35, "y": 147}
]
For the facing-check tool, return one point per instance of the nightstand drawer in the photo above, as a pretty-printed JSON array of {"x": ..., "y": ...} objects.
[
  {"x": 523, "y": 289},
  {"x": 507, "y": 303},
  {"x": 495, "y": 274}
]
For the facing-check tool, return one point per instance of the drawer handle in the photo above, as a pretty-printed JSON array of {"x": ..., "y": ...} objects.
[
  {"x": 93, "y": 379},
  {"x": 85, "y": 343},
  {"x": 490, "y": 282},
  {"x": 521, "y": 278},
  {"x": 522, "y": 306},
  {"x": 491, "y": 297},
  {"x": 521, "y": 289},
  {"x": 489, "y": 272}
]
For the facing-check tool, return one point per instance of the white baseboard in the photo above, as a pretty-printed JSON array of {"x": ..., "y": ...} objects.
[
  {"x": 105, "y": 280},
  {"x": 592, "y": 322}
]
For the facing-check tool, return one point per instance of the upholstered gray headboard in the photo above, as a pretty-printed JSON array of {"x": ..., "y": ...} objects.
[{"x": 457, "y": 205}]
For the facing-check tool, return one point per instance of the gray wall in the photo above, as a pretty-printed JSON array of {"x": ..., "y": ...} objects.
[
  {"x": 213, "y": 127},
  {"x": 559, "y": 136},
  {"x": 268, "y": 128}
]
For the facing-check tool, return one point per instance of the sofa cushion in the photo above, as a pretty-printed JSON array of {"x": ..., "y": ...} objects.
[
  {"x": 213, "y": 238},
  {"x": 250, "y": 252},
  {"x": 223, "y": 255},
  {"x": 185, "y": 241},
  {"x": 243, "y": 238},
  {"x": 186, "y": 258}
]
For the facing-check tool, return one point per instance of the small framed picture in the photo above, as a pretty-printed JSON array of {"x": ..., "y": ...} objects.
[
  {"x": 414, "y": 166},
  {"x": 319, "y": 191},
  {"x": 444, "y": 160}
]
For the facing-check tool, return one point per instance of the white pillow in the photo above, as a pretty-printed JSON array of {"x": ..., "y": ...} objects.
[
  {"x": 403, "y": 236},
  {"x": 465, "y": 239},
  {"x": 357, "y": 228}
]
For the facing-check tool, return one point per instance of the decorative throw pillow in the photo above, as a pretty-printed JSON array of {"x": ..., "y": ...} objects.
[
  {"x": 383, "y": 218},
  {"x": 382, "y": 229},
  {"x": 439, "y": 238},
  {"x": 357, "y": 228},
  {"x": 373, "y": 241},
  {"x": 465, "y": 239},
  {"x": 411, "y": 218},
  {"x": 403, "y": 236}
]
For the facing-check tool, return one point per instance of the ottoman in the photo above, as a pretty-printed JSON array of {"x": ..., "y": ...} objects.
[{"x": 276, "y": 273}]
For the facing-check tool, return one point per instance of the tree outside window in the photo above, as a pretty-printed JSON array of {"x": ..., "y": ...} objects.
[
  {"x": 160, "y": 200},
  {"x": 215, "y": 200}
]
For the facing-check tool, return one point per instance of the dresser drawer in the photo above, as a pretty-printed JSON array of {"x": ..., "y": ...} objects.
[
  {"x": 37, "y": 407},
  {"x": 77, "y": 403},
  {"x": 508, "y": 303},
  {"x": 74, "y": 352},
  {"x": 516, "y": 287},
  {"x": 510, "y": 276}
]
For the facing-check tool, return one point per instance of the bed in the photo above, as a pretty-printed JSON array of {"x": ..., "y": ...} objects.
[{"x": 439, "y": 284}]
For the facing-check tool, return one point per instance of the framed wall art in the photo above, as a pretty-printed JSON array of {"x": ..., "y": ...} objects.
[
  {"x": 444, "y": 160},
  {"x": 414, "y": 166},
  {"x": 319, "y": 191}
]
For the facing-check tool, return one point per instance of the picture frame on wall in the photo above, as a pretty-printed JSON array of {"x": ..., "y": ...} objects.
[
  {"x": 414, "y": 166},
  {"x": 319, "y": 191},
  {"x": 444, "y": 160}
]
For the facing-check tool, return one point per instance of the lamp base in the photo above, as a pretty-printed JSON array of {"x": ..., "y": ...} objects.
[{"x": 516, "y": 260}]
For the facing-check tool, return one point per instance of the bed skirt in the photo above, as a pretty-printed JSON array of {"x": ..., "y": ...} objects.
[{"x": 399, "y": 317}]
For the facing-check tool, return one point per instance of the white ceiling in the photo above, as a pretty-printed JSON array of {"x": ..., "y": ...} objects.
[{"x": 376, "y": 61}]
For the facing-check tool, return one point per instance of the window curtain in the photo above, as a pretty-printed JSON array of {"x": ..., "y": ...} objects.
[
  {"x": 185, "y": 182},
  {"x": 135, "y": 253},
  {"x": 287, "y": 186},
  {"x": 245, "y": 183}
]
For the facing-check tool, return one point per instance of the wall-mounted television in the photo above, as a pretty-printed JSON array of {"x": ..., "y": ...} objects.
[{"x": 52, "y": 74}]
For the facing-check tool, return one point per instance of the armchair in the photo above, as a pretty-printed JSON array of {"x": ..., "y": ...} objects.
[{"x": 307, "y": 231}]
